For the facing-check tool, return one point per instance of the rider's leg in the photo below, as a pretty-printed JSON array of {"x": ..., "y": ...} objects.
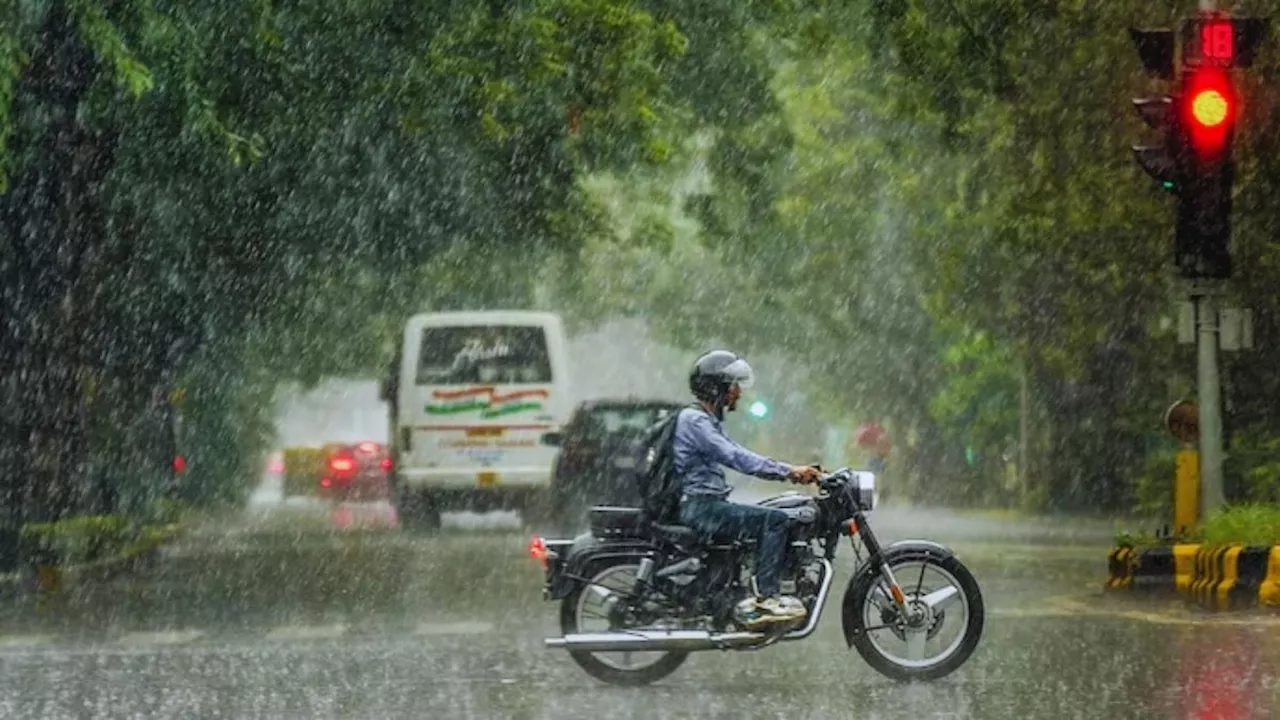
[
  {"x": 771, "y": 547},
  {"x": 768, "y": 526}
]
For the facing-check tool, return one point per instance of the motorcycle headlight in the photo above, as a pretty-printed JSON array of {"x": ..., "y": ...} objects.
[{"x": 867, "y": 493}]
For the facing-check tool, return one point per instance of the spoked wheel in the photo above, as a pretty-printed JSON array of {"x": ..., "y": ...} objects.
[
  {"x": 594, "y": 608},
  {"x": 943, "y": 625}
]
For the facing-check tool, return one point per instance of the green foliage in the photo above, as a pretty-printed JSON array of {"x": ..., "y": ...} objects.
[
  {"x": 84, "y": 539},
  {"x": 1253, "y": 465},
  {"x": 1153, "y": 484},
  {"x": 1250, "y": 524},
  {"x": 284, "y": 182}
]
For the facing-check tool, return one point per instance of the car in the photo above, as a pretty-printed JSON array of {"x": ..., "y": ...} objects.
[
  {"x": 598, "y": 448},
  {"x": 355, "y": 471}
]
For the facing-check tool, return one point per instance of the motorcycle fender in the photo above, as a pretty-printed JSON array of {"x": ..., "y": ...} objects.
[
  {"x": 849, "y": 608},
  {"x": 586, "y": 550}
]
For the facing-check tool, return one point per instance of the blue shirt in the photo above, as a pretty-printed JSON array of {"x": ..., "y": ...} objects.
[{"x": 702, "y": 449}]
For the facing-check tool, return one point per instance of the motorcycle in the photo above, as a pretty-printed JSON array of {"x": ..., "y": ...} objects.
[{"x": 663, "y": 591}]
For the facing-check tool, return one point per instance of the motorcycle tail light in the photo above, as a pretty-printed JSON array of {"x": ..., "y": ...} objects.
[{"x": 538, "y": 550}]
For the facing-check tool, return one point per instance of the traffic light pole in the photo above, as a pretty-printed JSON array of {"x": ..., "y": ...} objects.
[
  {"x": 1210, "y": 399},
  {"x": 1193, "y": 159}
]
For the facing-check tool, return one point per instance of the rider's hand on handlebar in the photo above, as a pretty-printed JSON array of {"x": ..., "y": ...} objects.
[{"x": 804, "y": 474}]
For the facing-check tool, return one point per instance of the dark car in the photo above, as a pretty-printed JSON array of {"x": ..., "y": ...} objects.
[
  {"x": 355, "y": 472},
  {"x": 598, "y": 448}
]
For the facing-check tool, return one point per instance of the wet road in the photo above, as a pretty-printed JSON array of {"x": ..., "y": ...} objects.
[{"x": 284, "y": 615}]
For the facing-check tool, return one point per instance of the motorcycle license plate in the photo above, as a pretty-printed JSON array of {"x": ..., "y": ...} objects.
[{"x": 487, "y": 478}]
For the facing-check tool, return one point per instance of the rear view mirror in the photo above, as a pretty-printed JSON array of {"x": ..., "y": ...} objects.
[{"x": 552, "y": 438}]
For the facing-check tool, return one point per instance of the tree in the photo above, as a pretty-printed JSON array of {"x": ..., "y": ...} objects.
[{"x": 225, "y": 174}]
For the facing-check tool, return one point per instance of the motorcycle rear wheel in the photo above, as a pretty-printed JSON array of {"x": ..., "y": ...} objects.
[{"x": 599, "y": 664}]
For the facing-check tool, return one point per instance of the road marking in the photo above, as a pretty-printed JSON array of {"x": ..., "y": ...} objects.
[
  {"x": 24, "y": 641},
  {"x": 171, "y": 637},
  {"x": 307, "y": 632},
  {"x": 465, "y": 627}
]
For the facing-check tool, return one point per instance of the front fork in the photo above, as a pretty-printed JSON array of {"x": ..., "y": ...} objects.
[{"x": 857, "y": 527}]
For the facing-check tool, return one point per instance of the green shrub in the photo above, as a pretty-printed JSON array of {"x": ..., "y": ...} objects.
[
  {"x": 88, "y": 538},
  {"x": 1253, "y": 524}
]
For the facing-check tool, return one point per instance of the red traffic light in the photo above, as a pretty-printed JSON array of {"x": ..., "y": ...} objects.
[{"x": 1209, "y": 108}]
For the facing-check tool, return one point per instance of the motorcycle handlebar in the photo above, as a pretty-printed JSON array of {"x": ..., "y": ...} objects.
[{"x": 827, "y": 480}]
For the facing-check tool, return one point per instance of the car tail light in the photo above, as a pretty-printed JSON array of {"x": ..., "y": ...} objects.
[
  {"x": 276, "y": 466},
  {"x": 342, "y": 464},
  {"x": 369, "y": 448},
  {"x": 326, "y": 482},
  {"x": 387, "y": 464}
]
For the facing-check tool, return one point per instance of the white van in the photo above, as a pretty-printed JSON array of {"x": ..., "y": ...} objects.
[{"x": 470, "y": 396}]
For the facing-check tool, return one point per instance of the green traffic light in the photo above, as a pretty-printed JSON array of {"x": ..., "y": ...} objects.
[{"x": 759, "y": 409}]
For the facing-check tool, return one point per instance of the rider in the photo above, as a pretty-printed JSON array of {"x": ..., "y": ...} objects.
[{"x": 700, "y": 448}]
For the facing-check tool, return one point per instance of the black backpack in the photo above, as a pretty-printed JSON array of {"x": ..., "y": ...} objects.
[{"x": 659, "y": 485}]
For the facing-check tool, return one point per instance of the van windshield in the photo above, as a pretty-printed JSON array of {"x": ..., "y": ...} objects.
[{"x": 489, "y": 354}]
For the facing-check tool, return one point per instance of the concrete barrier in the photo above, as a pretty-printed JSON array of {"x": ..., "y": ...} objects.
[
  {"x": 1153, "y": 570},
  {"x": 1269, "y": 589},
  {"x": 1184, "y": 566},
  {"x": 1220, "y": 577},
  {"x": 1120, "y": 563}
]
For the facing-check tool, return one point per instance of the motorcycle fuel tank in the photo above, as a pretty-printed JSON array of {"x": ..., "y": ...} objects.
[{"x": 800, "y": 507}]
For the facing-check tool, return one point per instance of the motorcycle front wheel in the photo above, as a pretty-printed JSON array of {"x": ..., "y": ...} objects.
[
  {"x": 944, "y": 624},
  {"x": 586, "y": 610}
]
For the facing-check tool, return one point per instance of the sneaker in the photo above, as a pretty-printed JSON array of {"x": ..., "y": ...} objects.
[{"x": 755, "y": 612}]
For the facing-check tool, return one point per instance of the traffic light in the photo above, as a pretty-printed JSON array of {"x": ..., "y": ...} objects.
[
  {"x": 1161, "y": 159},
  {"x": 1197, "y": 122},
  {"x": 1202, "y": 242},
  {"x": 758, "y": 409}
]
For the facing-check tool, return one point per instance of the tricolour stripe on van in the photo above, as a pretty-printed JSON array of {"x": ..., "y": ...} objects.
[
  {"x": 446, "y": 428},
  {"x": 474, "y": 400}
]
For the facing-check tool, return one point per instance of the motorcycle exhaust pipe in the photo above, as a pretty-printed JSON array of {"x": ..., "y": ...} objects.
[
  {"x": 687, "y": 640},
  {"x": 646, "y": 640}
]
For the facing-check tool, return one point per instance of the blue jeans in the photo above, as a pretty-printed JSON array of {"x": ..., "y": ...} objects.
[{"x": 724, "y": 521}]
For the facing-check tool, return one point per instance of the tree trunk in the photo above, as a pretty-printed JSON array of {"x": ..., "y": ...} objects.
[{"x": 52, "y": 219}]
